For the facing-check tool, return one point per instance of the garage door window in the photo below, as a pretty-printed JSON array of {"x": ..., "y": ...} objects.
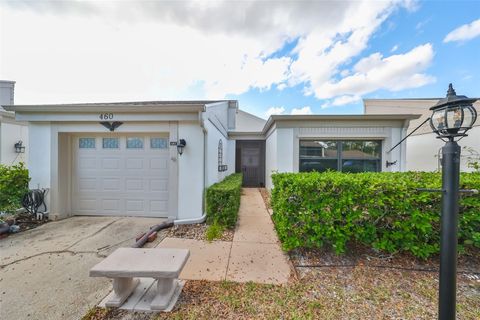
[
  {"x": 134, "y": 143},
  {"x": 110, "y": 143},
  {"x": 86, "y": 143},
  {"x": 158, "y": 143}
]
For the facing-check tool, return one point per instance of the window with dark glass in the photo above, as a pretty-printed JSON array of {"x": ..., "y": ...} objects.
[{"x": 345, "y": 155}]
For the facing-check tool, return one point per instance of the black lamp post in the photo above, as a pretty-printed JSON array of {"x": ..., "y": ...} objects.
[{"x": 452, "y": 117}]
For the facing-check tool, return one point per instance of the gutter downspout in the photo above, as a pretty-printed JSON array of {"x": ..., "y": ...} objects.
[{"x": 204, "y": 216}]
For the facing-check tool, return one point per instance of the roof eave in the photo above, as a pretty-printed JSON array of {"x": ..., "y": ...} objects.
[
  {"x": 106, "y": 108},
  {"x": 401, "y": 117}
]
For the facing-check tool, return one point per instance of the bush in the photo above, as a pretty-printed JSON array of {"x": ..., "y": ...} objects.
[
  {"x": 214, "y": 231},
  {"x": 381, "y": 210},
  {"x": 223, "y": 201},
  {"x": 13, "y": 186}
]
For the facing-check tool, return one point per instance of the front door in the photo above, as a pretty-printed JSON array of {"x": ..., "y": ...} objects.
[{"x": 251, "y": 164}]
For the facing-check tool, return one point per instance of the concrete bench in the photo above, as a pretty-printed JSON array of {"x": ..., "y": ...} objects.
[{"x": 126, "y": 264}]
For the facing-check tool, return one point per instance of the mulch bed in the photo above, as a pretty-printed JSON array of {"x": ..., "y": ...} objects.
[
  {"x": 266, "y": 197},
  {"x": 197, "y": 232},
  {"x": 327, "y": 293},
  {"x": 25, "y": 221}
]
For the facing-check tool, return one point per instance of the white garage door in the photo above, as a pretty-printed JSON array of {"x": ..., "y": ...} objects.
[{"x": 121, "y": 175}]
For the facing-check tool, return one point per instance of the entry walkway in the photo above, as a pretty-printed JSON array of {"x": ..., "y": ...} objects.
[{"x": 254, "y": 255}]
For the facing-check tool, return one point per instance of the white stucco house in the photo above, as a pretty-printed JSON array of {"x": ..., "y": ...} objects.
[
  {"x": 12, "y": 133},
  {"x": 126, "y": 159},
  {"x": 424, "y": 149}
]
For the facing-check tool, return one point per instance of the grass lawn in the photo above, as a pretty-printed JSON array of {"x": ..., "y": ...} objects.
[{"x": 326, "y": 293}]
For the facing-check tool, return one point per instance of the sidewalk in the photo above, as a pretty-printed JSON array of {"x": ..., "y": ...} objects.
[{"x": 254, "y": 255}]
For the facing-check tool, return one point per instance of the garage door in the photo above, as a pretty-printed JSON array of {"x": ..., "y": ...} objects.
[{"x": 121, "y": 175}]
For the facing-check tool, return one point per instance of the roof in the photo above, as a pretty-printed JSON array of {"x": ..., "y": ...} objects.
[{"x": 165, "y": 106}]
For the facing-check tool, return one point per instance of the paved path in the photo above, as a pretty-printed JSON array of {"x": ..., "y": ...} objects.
[{"x": 254, "y": 255}]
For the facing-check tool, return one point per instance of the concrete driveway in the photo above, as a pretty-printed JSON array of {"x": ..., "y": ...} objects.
[{"x": 44, "y": 271}]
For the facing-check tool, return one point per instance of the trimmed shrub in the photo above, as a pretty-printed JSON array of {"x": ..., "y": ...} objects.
[
  {"x": 13, "y": 186},
  {"x": 381, "y": 210},
  {"x": 223, "y": 201}
]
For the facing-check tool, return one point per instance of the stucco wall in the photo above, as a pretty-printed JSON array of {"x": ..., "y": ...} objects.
[
  {"x": 423, "y": 151},
  {"x": 422, "y": 147},
  {"x": 270, "y": 158},
  {"x": 213, "y": 138},
  {"x": 11, "y": 133},
  {"x": 282, "y": 145},
  {"x": 190, "y": 172}
]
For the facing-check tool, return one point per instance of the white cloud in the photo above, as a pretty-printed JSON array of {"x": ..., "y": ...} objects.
[
  {"x": 304, "y": 110},
  {"x": 341, "y": 101},
  {"x": 394, "y": 48},
  {"x": 394, "y": 73},
  {"x": 274, "y": 110},
  {"x": 148, "y": 50},
  {"x": 464, "y": 33}
]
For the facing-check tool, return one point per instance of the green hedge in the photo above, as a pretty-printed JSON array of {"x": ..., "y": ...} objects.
[
  {"x": 13, "y": 186},
  {"x": 381, "y": 210},
  {"x": 223, "y": 201}
]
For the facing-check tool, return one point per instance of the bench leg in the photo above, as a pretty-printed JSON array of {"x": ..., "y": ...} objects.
[
  {"x": 122, "y": 289},
  {"x": 165, "y": 289}
]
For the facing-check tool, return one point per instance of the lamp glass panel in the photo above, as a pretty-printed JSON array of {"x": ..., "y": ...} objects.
[
  {"x": 454, "y": 118},
  {"x": 438, "y": 119},
  {"x": 469, "y": 116}
]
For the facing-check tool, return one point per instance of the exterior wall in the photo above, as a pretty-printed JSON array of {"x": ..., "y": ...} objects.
[
  {"x": 191, "y": 172},
  {"x": 213, "y": 138},
  {"x": 423, "y": 146},
  {"x": 216, "y": 121},
  {"x": 282, "y": 145},
  {"x": 285, "y": 150},
  {"x": 10, "y": 133},
  {"x": 423, "y": 151},
  {"x": 40, "y": 146},
  {"x": 270, "y": 158},
  {"x": 246, "y": 122}
]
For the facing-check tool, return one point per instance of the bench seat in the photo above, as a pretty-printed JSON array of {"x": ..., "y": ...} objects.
[{"x": 126, "y": 264}]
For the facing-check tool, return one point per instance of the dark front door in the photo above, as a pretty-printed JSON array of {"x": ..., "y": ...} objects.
[{"x": 251, "y": 162}]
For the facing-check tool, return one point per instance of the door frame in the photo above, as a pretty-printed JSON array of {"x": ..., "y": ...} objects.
[{"x": 239, "y": 145}]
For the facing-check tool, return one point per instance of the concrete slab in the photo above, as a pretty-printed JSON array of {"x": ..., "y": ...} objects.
[
  {"x": 251, "y": 203},
  {"x": 53, "y": 286},
  {"x": 53, "y": 236},
  {"x": 258, "y": 229},
  {"x": 117, "y": 237},
  {"x": 208, "y": 260},
  {"x": 44, "y": 271},
  {"x": 258, "y": 262}
]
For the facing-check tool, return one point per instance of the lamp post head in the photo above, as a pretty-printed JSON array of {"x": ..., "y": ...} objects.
[{"x": 453, "y": 115}]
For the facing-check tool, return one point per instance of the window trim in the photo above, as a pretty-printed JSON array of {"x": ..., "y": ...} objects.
[{"x": 339, "y": 156}]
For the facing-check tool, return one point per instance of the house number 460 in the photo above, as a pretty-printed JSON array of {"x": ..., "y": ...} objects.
[{"x": 106, "y": 116}]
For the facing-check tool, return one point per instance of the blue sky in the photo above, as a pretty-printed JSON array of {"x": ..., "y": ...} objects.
[
  {"x": 430, "y": 22},
  {"x": 274, "y": 57}
]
